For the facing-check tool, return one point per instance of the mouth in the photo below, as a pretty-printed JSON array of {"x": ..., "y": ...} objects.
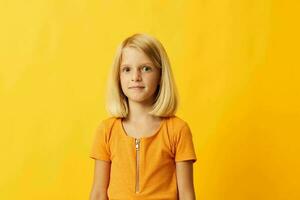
[{"x": 138, "y": 87}]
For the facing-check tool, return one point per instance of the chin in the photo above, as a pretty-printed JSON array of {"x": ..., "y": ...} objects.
[{"x": 138, "y": 99}]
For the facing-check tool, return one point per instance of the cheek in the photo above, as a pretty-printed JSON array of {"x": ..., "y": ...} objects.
[
  {"x": 157, "y": 77},
  {"x": 122, "y": 78},
  {"x": 122, "y": 81},
  {"x": 155, "y": 80}
]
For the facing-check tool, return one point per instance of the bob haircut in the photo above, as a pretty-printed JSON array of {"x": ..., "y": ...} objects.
[{"x": 166, "y": 100}]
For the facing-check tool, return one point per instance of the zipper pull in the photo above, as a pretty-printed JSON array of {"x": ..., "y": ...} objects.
[{"x": 137, "y": 144}]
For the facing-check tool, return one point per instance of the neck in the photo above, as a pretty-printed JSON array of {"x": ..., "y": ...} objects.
[{"x": 139, "y": 111}]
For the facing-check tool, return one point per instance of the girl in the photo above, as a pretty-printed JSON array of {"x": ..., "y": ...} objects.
[{"x": 143, "y": 151}]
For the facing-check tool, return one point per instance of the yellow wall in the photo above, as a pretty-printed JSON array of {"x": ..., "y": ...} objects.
[{"x": 236, "y": 64}]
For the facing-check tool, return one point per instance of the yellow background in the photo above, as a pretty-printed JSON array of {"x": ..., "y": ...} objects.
[{"x": 236, "y": 64}]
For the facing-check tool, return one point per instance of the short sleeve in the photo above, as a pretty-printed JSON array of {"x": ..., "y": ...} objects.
[
  {"x": 100, "y": 148},
  {"x": 184, "y": 146}
]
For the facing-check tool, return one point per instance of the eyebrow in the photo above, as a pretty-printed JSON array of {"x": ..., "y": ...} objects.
[{"x": 125, "y": 64}]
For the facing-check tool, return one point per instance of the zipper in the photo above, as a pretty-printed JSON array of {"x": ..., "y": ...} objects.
[{"x": 137, "y": 149}]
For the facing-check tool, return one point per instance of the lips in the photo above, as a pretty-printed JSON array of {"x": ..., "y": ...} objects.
[
  {"x": 140, "y": 87},
  {"x": 136, "y": 87}
]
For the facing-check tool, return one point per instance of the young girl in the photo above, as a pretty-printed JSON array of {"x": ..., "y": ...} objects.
[{"x": 143, "y": 151}]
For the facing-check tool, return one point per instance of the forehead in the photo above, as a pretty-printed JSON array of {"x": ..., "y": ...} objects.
[{"x": 131, "y": 55}]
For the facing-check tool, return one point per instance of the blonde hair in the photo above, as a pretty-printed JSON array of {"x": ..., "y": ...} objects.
[{"x": 166, "y": 100}]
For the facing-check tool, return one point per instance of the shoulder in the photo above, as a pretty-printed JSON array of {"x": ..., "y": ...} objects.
[
  {"x": 104, "y": 128},
  {"x": 177, "y": 123},
  {"x": 177, "y": 128},
  {"x": 107, "y": 123},
  {"x": 178, "y": 131}
]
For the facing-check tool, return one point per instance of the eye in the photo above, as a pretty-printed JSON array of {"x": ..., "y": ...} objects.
[
  {"x": 146, "y": 68},
  {"x": 125, "y": 69}
]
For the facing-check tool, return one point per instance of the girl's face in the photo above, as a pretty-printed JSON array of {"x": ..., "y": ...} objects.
[{"x": 138, "y": 75}]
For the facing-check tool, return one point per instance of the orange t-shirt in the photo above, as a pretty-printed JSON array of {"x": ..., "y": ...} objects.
[{"x": 143, "y": 169}]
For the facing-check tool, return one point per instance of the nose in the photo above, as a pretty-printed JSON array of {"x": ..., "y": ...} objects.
[{"x": 136, "y": 75}]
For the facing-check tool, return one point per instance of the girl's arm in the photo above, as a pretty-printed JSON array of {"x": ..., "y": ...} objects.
[
  {"x": 185, "y": 184},
  {"x": 101, "y": 180}
]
